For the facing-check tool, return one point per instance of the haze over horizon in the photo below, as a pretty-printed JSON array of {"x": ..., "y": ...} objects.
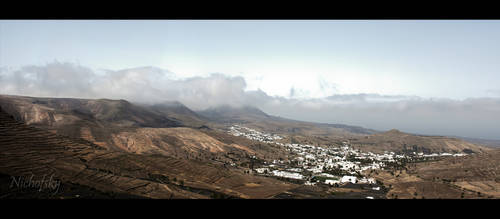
[{"x": 426, "y": 77}]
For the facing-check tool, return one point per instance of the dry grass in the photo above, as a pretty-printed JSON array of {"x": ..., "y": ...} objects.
[{"x": 474, "y": 176}]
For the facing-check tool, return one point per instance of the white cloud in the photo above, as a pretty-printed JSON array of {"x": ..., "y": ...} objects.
[{"x": 474, "y": 117}]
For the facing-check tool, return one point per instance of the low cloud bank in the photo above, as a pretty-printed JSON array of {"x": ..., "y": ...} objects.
[{"x": 475, "y": 117}]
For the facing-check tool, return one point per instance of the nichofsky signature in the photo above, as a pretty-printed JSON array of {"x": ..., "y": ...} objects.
[{"x": 46, "y": 183}]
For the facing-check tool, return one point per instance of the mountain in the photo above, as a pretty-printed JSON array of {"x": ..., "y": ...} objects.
[
  {"x": 94, "y": 120},
  {"x": 325, "y": 134},
  {"x": 231, "y": 114},
  {"x": 486, "y": 142},
  {"x": 256, "y": 118},
  {"x": 169, "y": 128},
  {"x": 348, "y": 128},
  {"x": 173, "y": 129},
  {"x": 395, "y": 140},
  {"x": 28, "y": 151},
  {"x": 178, "y": 112},
  {"x": 113, "y": 148},
  {"x": 86, "y": 170},
  {"x": 58, "y": 111}
]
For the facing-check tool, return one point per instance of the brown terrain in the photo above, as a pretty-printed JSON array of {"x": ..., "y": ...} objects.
[
  {"x": 397, "y": 141},
  {"x": 168, "y": 128},
  {"x": 473, "y": 176},
  {"x": 178, "y": 112},
  {"x": 328, "y": 134},
  {"x": 96, "y": 171},
  {"x": 112, "y": 149},
  {"x": 254, "y": 118}
]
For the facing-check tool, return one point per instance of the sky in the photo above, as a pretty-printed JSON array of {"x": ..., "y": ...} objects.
[{"x": 422, "y": 76}]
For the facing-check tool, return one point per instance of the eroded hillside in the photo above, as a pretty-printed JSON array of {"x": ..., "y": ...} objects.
[{"x": 84, "y": 167}]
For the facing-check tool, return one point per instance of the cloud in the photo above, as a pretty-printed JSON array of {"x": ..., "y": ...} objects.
[
  {"x": 144, "y": 84},
  {"x": 493, "y": 92},
  {"x": 54, "y": 79},
  {"x": 474, "y": 117}
]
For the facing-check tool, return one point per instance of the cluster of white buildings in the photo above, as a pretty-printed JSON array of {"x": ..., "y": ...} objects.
[
  {"x": 253, "y": 134},
  {"x": 439, "y": 155},
  {"x": 287, "y": 174},
  {"x": 318, "y": 162}
]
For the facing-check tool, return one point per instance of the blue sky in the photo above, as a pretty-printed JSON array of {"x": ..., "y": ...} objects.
[
  {"x": 453, "y": 59},
  {"x": 421, "y": 76}
]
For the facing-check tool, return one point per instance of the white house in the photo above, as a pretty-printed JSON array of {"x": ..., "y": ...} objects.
[
  {"x": 331, "y": 181},
  {"x": 351, "y": 179},
  {"x": 287, "y": 174},
  {"x": 262, "y": 170}
]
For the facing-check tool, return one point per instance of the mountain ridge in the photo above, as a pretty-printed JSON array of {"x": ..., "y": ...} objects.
[
  {"x": 111, "y": 122},
  {"x": 85, "y": 170}
]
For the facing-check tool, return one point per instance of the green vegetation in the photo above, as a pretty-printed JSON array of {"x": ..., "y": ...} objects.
[{"x": 322, "y": 178}]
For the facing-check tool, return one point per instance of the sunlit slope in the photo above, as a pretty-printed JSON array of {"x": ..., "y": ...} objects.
[{"x": 27, "y": 150}]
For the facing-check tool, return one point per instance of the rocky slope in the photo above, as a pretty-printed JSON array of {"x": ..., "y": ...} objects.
[
  {"x": 140, "y": 129},
  {"x": 178, "y": 112},
  {"x": 88, "y": 170},
  {"x": 53, "y": 112}
]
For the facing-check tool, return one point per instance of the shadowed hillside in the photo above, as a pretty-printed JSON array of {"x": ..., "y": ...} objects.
[
  {"x": 84, "y": 167},
  {"x": 61, "y": 111},
  {"x": 178, "y": 112},
  {"x": 140, "y": 129}
]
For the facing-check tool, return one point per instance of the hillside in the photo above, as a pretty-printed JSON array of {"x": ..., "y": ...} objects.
[
  {"x": 178, "y": 112},
  {"x": 60, "y": 111},
  {"x": 87, "y": 170},
  {"x": 230, "y": 114},
  {"x": 326, "y": 134},
  {"x": 397, "y": 141},
  {"x": 141, "y": 129},
  {"x": 120, "y": 125},
  {"x": 486, "y": 142},
  {"x": 116, "y": 149},
  {"x": 93, "y": 120},
  {"x": 478, "y": 173},
  {"x": 255, "y": 118},
  {"x": 474, "y": 176}
]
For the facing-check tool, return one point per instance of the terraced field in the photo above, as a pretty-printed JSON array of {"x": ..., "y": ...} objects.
[
  {"x": 473, "y": 176},
  {"x": 28, "y": 151}
]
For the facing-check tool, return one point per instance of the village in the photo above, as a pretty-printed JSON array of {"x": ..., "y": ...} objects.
[{"x": 331, "y": 164}]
